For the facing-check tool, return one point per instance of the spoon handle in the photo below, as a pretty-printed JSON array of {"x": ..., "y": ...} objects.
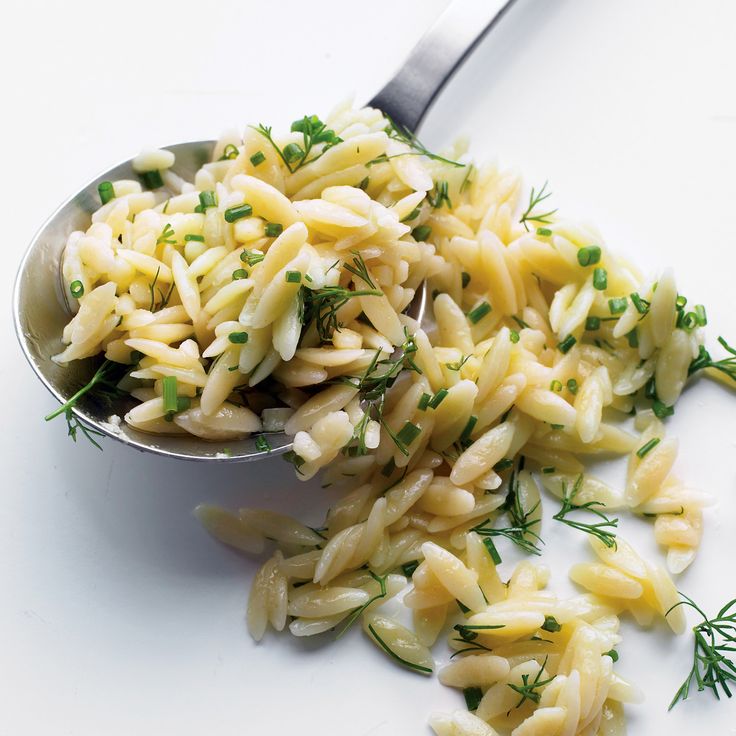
[{"x": 443, "y": 48}]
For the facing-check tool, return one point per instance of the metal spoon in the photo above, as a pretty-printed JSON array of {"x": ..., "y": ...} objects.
[{"x": 39, "y": 306}]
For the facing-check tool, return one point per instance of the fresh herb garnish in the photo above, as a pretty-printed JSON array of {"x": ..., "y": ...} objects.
[
  {"x": 386, "y": 648},
  {"x": 529, "y": 690},
  {"x": 600, "y": 529},
  {"x": 725, "y": 365},
  {"x": 358, "y": 611},
  {"x": 535, "y": 199}
]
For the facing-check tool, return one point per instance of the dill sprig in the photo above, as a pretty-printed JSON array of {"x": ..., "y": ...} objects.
[
  {"x": 351, "y": 619},
  {"x": 600, "y": 529},
  {"x": 530, "y": 690},
  {"x": 725, "y": 365},
  {"x": 314, "y": 132},
  {"x": 715, "y": 642},
  {"x": 535, "y": 199},
  {"x": 520, "y": 531},
  {"x": 400, "y": 133},
  {"x": 103, "y": 388}
]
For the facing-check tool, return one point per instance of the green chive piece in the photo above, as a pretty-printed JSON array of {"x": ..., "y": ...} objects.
[
  {"x": 106, "y": 191},
  {"x": 633, "y": 338},
  {"x": 680, "y": 302},
  {"x": 152, "y": 179},
  {"x": 207, "y": 199},
  {"x": 258, "y": 158},
  {"x": 238, "y": 338},
  {"x": 293, "y": 277},
  {"x": 196, "y": 238},
  {"x": 424, "y": 402},
  {"x": 555, "y": 385},
  {"x": 589, "y": 255},
  {"x": 492, "y": 551},
  {"x": 503, "y": 464},
  {"x": 661, "y": 410},
  {"x": 465, "y": 279},
  {"x": 476, "y": 314},
  {"x": 239, "y": 273},
  {"x": 438, "y": 398},
  {"x": 462, "y": 606},
  {"x": 566, "y": 344},
  {"x": 411, "y": 216},
  {"x": 613, "y": 654},
  {"x": 548, "y": 469},
  {"x": 408, "y": 433},
  {"x": 408, "y": 567},
  {"x": 648, "y": 447},
  {"x": 364, "y": 183},
  {"x": 650, "y": 389},
  {"x": 182, "y": 403},
  {"x": 473, "y": 696},
  {"x": 617, "y": 305},
  {"x": 468, "y": 429},
  {"x": 273, "y": 229},
  {"x": 514, "y": 336},
  {"x": 262, "y": 444},
  {"x": 77, "y": 289},
  {"x": 557, "y": 426},
  {"x": 293, "y": 152},
  {"x": 251, "y": 258},
  {"x": 572, "y": 386},
  {"x": 170, "y": 402},
  {"x": 592, "y": 323},
  {"x": 422, "y": 232},
  {"x": 700, "y": 315},
  {"x": 545, "y": 232},
  {"x": 600, "y": 279},
  {"x": 642, "y": 306},
  {"x": 551, "y": 624},
  {"x": 233, "y": 214}
]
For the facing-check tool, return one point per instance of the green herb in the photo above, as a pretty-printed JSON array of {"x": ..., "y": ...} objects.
[
  {"x": 458, "y": 364},
  {"x": 465, "y": 277},
  {"x": 555, "y": 385},
  {"x": 661, "y": 410},
  {"x": 207, "y": 199},
  {"x": 106, "y": 191},
  {"x": 408, "y": 567},
  {"x": 76, "y": 288},
  {"x": 572, "y": 386},
  {"x": 565, "y": 345},
  {"x": 196, "y": 238},
  {"x": 466, "y": 182},
  {"x": 296, "y": 460},
  {"x": 551, "y": 624},
  {"x": 251, "y": 257},
  {"x": 229, "y": 153},
  {"x": 152, "y": 179},
  {"x": 273, "y": 229},
  {"x": 363, "y": 183},
  {"x": 557, "y": 426},
  {"x": 262, "y": 444},
  {"x": 641, "y": 305},
  {"x": 439, "y": 195},
  {"x": 411, "y": 216},
  {"x": 726, "y": 365},
  {"x": 503, "y": 464},
  {"x": 166, "y": 235},
  {"x": 293, "y": 277},
  {"x": 589, "y": 255},
  {"x": 592, "y": 323},
  {"x": 468, "y": 430},
  {"x": 648, "y": 447},
  {"x": 492, "y": 551},
  {"x": 233, "y": 214},
  {"x": 617, "y": 305},
  {"x": 600, "y": 529},
  {"x": 535, "y": 199},
  {"x": 514, "y": 336},
  {"x": 438, "y": 398},
  {"x": 169, "y": 394},
  {"x": 600, "y": 279},
  {"x": 545, "y": 232},
  {"x": 468, "y": 632},
  {"x": 530, "y": 690},
  {"x": 239, "y": 273},
  {"x": 424, "y": 400},
  {"x": 476, "y": 314},
  {"x": 473, "y": 696},
  {"x": 714, "y": 644},
  {"x": 355, "y": 614},
  {"x": 421, "y": 233},
  {"x": 408, "y": 433},
  {"x": 633, "y": 338},
  {"x": 400, "y": 133},
  {"x": 386, "y": 648},
  {"x": 548, "y": 469},
  {"x": 238, "y": 338},
  {"x": 612, "y": 653},
  {"x": 258, "y": 158}
]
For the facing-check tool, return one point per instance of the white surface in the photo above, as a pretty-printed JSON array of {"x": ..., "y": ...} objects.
[{"x": 118, "y": 614}]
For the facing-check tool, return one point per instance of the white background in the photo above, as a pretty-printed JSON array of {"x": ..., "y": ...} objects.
[{"x": 118, "y": 614}]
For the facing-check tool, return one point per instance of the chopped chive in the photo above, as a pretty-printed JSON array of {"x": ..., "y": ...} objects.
[
  {"x": 503, "y": 464},
  {"x": 411, "y": 216},
  {"x": 196, "y": 238},
  {"x": 566, "y": 344},
  {"x": 363, "y": 184},
  {"x": 492, "y": 551},
  {"x": 262, "y": 444},
  {"x": 555, "y": 385},
  {"x": 468, "y": 429},
  {"x": 258, "y": 158},
  {"x": 545, "y": 232},
  {"x": 273, "y": 229},
  {"x": 77, "y": 289},
  {"x": 648, "y": 447},
  {"x": 438, "y": 398},
  {"x": 233, "y": 214},
  {"x": 473, "y": 696},
  {"x": 650, "y": 389},
  {"x": 408, "y": 567},
  {"x": 633, "y": 338},
  {"x": 572, "y": 386},
  {"x": 293, "y": 152},
  {"x": 239, "y": 273},
  {"x": 557, "y": 426},
  {"x": 462, "y": 606},
  {"x": 617, "y": 305},
  {"x": 170, "y": 402},
  {"x": 592, "y": 323},
  {"x": 642, "y": 305},
  {"x": 152, "y": 179},
  {"x": 589, "y": 255},
  {"x": 182, "y": 403},
  {"x": 408, "y": 433},
  {"x": 661, "y": 410},
  {"x": 551, "y": 624},
  {"x": 424, "y": 402},
  {"x": 476, "y": 314},
  {"x": 465, "y": 278},
  {"x": 229, "y": 152},
  {"x": 238, "y": 338},
  {"x": 388, "y": 468},
  {"x": 600, "y": 279},
  {"x": 106, "y": 191},
  {"x": 612, "y": 653},
  {"x": 548, "y": 469},
  {"x": 422, "y": 232},
  {"x": 700, "y": 315},
  {"x": 207, "y": 199},
  {"x": 680, "y": 302},
  {"x": 251, "y": 258},
  {"x": 293, "y": 277},
  {"x": 514, "y": 336}
]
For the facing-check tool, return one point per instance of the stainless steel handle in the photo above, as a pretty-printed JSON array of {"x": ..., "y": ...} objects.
[{"x": 431, "y": 63}]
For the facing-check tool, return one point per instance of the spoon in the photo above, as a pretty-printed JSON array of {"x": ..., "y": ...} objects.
[{"x": 40, "y": 310}]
